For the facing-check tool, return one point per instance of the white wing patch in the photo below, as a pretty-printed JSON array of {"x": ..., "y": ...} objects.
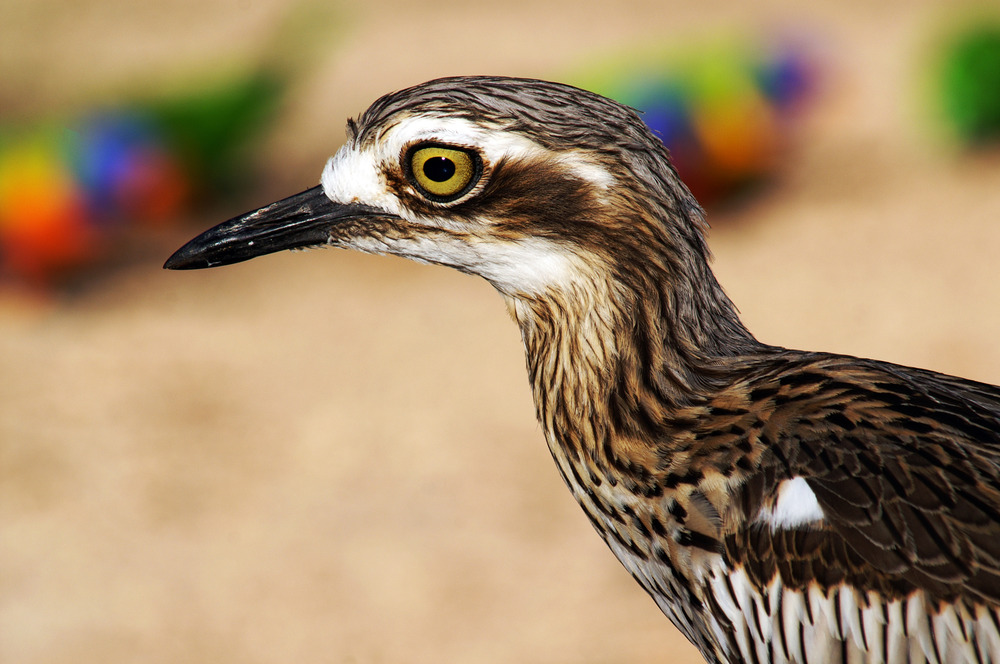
[{"x": 796, "y": 506}]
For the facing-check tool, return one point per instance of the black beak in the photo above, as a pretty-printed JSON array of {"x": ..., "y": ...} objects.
[{"x": 302, "y": 220}]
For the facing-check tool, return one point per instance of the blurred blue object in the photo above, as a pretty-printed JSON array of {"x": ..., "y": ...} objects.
[{"x": 726, "y": 111}]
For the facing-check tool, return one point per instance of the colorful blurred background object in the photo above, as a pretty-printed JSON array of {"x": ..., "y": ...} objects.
[
  {"x": 725, "y": 110},
  {"x": 969, "y": 82},
  {"x": 70, "y": 190}
]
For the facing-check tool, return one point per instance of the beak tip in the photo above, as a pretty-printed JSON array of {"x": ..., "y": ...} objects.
[{"x": 185, "y": 259}]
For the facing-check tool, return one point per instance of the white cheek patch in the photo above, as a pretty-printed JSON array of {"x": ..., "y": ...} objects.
[
  {"x": 528, "y": 266},
  {"x": 796, "y": 506},
  {"x": 514, "y": 267}
]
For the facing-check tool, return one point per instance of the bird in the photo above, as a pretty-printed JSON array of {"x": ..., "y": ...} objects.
[{"x": 778, "y": 505}]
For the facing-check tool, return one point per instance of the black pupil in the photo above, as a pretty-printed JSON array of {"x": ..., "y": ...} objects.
[{"x": 439, "y": 169}]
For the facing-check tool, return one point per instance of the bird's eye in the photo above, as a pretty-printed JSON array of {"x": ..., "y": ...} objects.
[{"x": 442, "y": 173}]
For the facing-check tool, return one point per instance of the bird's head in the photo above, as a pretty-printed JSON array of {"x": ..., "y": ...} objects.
[
  {"x": 562, "y": 199},
  {"x": 529, "y": 184}
]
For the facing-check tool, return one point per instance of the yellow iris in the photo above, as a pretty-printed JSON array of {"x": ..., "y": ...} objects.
[{"x": 442, "y": 173}]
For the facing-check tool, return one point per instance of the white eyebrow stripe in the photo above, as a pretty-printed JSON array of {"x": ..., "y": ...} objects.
[
  {"x": 494, "y": 143},
  {"x": 587, "y": 170}
]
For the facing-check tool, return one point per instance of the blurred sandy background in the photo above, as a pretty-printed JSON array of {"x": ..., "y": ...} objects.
[{"x": 327, "y": 457}]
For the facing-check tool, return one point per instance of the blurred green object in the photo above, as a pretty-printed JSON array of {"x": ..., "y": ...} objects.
[
  {"x": 970, "y": 83},
  {"x": 213, "y": 129},
  {"x": 71, "y": 190}
]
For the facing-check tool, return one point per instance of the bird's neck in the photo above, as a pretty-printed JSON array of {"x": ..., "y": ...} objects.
[
  {"x": 611, "y": 335},
  {"x": 618, "y": 352}
]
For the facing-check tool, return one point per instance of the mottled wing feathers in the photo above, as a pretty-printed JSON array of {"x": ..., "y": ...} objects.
[{"x": 905, "y": 466}]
